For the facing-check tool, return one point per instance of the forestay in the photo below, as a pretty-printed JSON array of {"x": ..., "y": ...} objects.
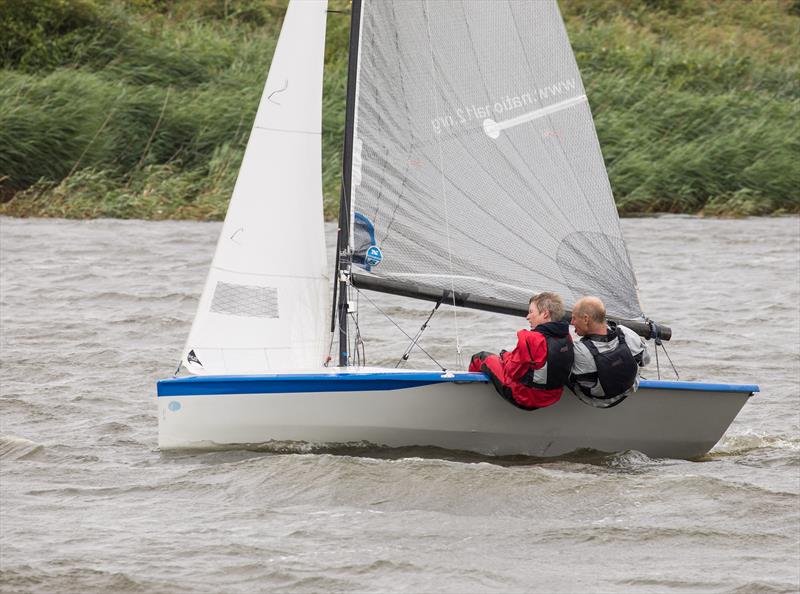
[
  {"x": 264, "y": 303},
  {"x": 475, "y": 159}
]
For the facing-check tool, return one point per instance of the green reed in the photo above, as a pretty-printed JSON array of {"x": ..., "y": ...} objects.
[{"x": 143, "y": 108}]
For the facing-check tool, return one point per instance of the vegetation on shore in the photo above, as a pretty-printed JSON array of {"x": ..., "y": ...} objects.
[{"x": 142, "y": 108}]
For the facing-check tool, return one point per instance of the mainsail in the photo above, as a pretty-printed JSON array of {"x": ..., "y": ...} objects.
[
  {"x": 264, "y": 303},
  {"x": 474, "y": 156}
]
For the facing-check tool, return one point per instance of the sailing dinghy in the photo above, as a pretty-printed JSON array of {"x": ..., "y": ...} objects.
[{"x": 472, "y": 177}]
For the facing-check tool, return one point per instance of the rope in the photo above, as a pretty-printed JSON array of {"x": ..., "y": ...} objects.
[
  {"x": 655, "y": 334},
  {"x": 677, "y": 376}
]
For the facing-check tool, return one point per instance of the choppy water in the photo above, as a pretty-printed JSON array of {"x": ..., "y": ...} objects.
[{"x": 93, "y": 313}]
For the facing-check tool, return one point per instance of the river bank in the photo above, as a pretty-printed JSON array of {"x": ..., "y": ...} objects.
[{"x": 142, "y": 109}]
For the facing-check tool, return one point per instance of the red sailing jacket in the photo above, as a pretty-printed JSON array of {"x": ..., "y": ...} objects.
[{"x": 511, "y": 368}]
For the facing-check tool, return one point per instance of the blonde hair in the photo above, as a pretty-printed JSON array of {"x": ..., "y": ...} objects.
[{"x": 551, "y": 302}]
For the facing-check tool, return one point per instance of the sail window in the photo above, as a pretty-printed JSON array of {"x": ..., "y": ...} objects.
[{"x": 245, "y": 300}]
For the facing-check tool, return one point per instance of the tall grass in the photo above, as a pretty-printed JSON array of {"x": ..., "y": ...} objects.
[{"x": 142, "y": 108}]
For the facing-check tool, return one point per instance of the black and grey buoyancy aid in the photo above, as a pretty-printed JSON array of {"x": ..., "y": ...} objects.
[
  {"x": 616, "y": 369},
  {"x": 560, "y": 355}
]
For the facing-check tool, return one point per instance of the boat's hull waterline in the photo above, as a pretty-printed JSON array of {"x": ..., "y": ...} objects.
[{"x": 458, "y": 411}]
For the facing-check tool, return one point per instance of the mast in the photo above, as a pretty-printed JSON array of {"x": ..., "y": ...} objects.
[{"x": 343, "y": 251}]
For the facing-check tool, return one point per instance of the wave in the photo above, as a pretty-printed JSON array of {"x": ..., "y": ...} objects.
[
  {"x": 667, "y": 584},
  {"x": 745, "y": 443},
  {"x": 25, "y": 578},
  {"x": 18, "y": 448},
  {"x": 609, "y": 534},
  {"x": 766, "y": 588}
]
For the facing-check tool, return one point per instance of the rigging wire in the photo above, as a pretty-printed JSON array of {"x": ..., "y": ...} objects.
[
  {"x": 354, "y": 323},
  {"x": 459, "y": 357},
  {"x": 422, "y": 329},
  {"x": 660, "y": 343},
  {"x": 674, "y": 369},
  {"x": 388, "y": 317},
  {"x": 351, "y": 335},
  {"x": 356, "y": 347},
  {"x": 359, "y": 348},
  {"x": 664, "y": 348}
]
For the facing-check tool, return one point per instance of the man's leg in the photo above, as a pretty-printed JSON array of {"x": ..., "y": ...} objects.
[
  {"x": 476, "y": 361},
  {"x": 492, "y": 366}
]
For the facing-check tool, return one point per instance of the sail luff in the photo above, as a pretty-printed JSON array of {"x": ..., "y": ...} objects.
[{"x": 344, "y": 240}]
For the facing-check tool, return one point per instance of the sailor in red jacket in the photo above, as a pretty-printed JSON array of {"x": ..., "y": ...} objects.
[{"x": 533, "y": 374}]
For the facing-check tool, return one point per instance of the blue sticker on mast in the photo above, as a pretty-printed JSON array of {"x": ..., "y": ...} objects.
[
  {"x": 374, "y": 256},
  {"x": 366, "y": 252}
]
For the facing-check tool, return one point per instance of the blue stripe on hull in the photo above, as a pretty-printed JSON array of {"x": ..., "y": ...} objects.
[
  {"x": 361, "y": 382},
  {"x": 291, "y": 383},
  {"x": 697, "y": 386}
]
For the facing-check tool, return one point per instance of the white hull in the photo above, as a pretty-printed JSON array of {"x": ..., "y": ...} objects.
[{"x": 663, "y": 419}]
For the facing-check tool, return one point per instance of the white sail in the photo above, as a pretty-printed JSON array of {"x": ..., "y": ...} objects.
[{"x": 265, "y": 301}]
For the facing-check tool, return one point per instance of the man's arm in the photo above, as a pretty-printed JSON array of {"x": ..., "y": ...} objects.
[
  {"x": 584, "y": 370},
  {"x": 518, "y": 362}
]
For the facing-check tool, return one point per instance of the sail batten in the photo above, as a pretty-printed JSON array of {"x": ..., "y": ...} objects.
[{"x": 476, "y": 162}]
